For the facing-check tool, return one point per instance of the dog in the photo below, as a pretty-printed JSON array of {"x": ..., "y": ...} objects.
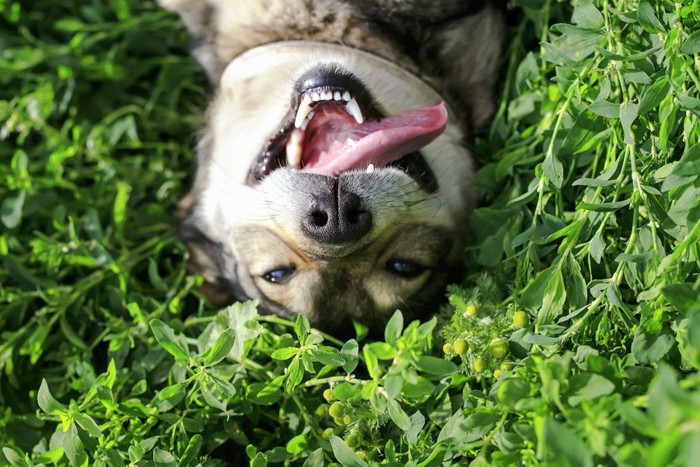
[{"x": 333, "y": 175}]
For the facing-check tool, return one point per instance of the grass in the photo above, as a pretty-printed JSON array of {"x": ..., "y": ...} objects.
[{"x": 573, "y": 340}]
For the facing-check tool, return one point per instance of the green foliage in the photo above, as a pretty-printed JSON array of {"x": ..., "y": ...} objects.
[{"x": 573, "y": 340}]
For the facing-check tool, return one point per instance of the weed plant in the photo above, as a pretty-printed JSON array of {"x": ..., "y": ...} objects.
[{"x": 574, "y": 338}]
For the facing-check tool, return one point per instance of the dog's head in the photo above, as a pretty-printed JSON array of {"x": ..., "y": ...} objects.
[{"x": 334, "y": 184}]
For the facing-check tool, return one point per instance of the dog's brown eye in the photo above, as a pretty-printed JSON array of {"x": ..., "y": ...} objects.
[
  {"x": 406, "y": 269},
  {"x": 280, "y": 275}
]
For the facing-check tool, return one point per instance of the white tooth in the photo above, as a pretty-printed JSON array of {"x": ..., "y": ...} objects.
[
  {"x": 304, "y": 110},
  {"x": 315, "y": 96},
  {"x": 328, "y": 95},
  {"x": 337, "y": 96},
  {"x": 370, "y": 168},
  {"x": 353, "y": 109},
  {"x": 294, "y": 149},
  {"x": 346, "y": 96}
]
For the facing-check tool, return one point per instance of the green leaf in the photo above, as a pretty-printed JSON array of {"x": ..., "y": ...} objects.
[
  {"x": 260, "y": 460},
  {"x": 371, "y": 362},
  {"x": 382, "y": 350},
  {"x": 470, "y": 429},
  {"x": 533, "y": 294},
  {"x": 393, "y": 383},
  {"x": 328, "y": 356},
  {"x": 683, "y": 297},
  {"x": 73, "y": 447},
  {"x": 315, "y": 459},
  {"x": 653, "y": 95},
  {"x": 120, "y": 207},
  {"x": 605, "y": 109},
  {"x": 163, "y": 458},
  {"x": 172, "y": 390},
  {"x": 15, "y": 459},
  {"x": 266, "y": 393},
  {"x": 344, "y": 454},
  {"x": 559, "y": 445},
  {"x": 692, "y": 44},
  {"x": 436, "y": 366},
  {"x": 349, "y": 352},
  {"x": 347, "y": 392},
  {"x": 50, "y": 457},
  {"x": 417, "y": 422},
  {"x": 285, "y": 353},
  {"x": 513, "y": 390},
  {"x": 651, "y": 347},
  {"x": 221, "y": 348},
  {"x": 637, "y": 420},
  {"x": 393, "y": 328},
  {"x": 11, "y": 210},
  {"x": 302, "y": 328},
  {"x": 647, "y": 18},
  {"x": 295, "y": 374},
  {"x": 88, "y": 424},
  {"x": 554, "y": 170},
  {"x": 46, "y": 401},
  {"x": 189, "y": 457},
  {"x": 604, "y": 207},
  {"x": 397, "y": 414},
  {"x": 242, "y": 318},
  {"x": 211, "y": 399},
  {"x": 587, "y": 16},
  {"x": 167, "y": 339},
  {"x": 588, "y": 386},
  {"x": 297, "y": 444},
  {"x": 628, "y": 114},
  {"x": 553, "y": 300},
  {"x": 418, "y": 389}
]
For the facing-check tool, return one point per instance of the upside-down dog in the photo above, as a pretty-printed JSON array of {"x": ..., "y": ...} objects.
[{"x": 334, "y": 177}]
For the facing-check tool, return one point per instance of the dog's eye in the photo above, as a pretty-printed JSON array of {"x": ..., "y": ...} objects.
[
  {"x": 280, "y": 275},
  {"x": 406, "y": 269}
]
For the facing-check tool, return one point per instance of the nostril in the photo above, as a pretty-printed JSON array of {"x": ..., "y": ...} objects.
[
  {"x": 354, "y": 216},
  {"x": 319, "y": 218},
  {"x": 336, "y": 218}
]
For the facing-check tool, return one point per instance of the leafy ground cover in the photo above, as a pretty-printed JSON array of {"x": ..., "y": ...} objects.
[{"x": 573, "y": 340}]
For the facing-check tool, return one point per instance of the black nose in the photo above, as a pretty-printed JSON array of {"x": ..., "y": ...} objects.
[{"x": 336, "y": 217}]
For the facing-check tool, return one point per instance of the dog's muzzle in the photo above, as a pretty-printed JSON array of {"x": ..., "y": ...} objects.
[{"x": 336, "y": 215}]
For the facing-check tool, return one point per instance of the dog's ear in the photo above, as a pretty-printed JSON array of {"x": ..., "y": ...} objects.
[
  {"x": 469, "y": 54},
  {"x": 204, "y": 255},
  {"x": 197, "y": 16}
]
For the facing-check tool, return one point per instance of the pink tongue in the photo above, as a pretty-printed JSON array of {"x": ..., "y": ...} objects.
[{"x": 353, "y": 146}]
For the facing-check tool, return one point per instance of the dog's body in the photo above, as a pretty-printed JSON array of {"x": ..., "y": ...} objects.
[{"x": 307, "y": 197}]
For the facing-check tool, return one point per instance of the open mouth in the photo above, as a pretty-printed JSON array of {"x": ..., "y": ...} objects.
[{"x": 334, "y": 127}]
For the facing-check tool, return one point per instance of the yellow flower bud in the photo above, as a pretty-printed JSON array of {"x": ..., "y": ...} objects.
[{"x": 460, "y": 346}]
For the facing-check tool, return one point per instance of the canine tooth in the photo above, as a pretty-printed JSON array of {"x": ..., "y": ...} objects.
[
  {"x": 337, "y": 96},
  {"x": 370, "y": 168},
  {"x": 306, "y": 122},
  {"x": 353, "y": 109},
  {"x": 304, "y": 110},
  {"x": 294, "y": 149},
  {"x": 346, "y": 96}
]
